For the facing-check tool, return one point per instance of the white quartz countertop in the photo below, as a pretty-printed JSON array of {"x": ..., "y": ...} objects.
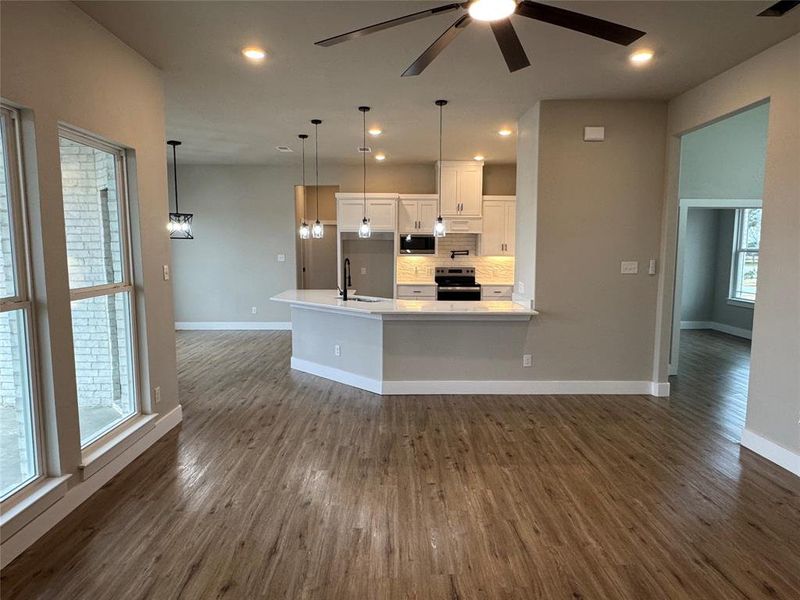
[{"x": 329, "y": 300}]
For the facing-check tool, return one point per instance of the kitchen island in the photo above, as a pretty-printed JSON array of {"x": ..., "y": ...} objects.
[{"x": 390, "y": 346}]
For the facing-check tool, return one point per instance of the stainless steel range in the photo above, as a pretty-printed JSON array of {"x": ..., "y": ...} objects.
[{"x": 457, "y": 283}]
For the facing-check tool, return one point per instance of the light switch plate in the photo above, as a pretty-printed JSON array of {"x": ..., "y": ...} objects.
[
  {"x": 253, "y": 310},
  {"x": 165, "y": 270},
  {"x": 527, "y": 360},
  {"x": 629, "y": 267},
  {"x": 281, "y": 258},
  {"x": 363, "y": 270}
]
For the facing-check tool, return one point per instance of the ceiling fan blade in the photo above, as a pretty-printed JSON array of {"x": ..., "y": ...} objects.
[
  {"x": 510, "y": 45},
  {"x": 356, "y": 33},
  {"x": 426, "y": 58},
  {"x": 613, "y": 32},
  {"x": 779, "y": 8}
]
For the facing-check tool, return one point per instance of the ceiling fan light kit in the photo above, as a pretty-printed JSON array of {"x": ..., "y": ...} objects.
[{"x": 498, "y": 14}]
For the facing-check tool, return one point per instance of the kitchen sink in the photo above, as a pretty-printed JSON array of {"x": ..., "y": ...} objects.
[{"x": 363, "y": 299}]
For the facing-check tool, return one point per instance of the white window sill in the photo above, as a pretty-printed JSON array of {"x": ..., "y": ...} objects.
[
  {"x": 31, "y": 501},
  {"x": 742, "y": 303},
  {"x": 99, "y": 454}
]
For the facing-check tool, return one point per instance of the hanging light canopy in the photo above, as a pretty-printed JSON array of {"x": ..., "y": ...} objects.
[
  {"x": 316, "y": 229},
  {"x": 180, "y": 224},
  {"x": 365, "y": 229},
  {"x": 305, "y": 230},
  {"x": 438, "y": 227}
]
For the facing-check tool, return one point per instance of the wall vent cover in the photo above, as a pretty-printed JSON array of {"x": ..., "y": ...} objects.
[
  {"x": 364, "y": 149},
  {"x": 283, "y": 149}
]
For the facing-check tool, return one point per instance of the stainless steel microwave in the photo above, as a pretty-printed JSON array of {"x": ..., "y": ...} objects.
[{"x": 417, "y": 244}]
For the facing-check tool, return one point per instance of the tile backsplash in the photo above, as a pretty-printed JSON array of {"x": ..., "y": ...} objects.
[{"x": 488, "y": 269}]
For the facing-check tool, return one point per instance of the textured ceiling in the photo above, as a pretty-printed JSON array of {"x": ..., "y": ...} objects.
[{"x": 229, "y": 111}]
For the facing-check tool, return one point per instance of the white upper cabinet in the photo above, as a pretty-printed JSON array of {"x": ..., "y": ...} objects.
[
  {"x": 462, "y": 187},
  {"x": 499, "y": 223},
  {"x": 381, "y": 210},
  {"x": 417, "y": 213}
]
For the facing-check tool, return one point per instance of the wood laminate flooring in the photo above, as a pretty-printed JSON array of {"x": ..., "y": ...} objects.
[{"x": 283, "y": 485}]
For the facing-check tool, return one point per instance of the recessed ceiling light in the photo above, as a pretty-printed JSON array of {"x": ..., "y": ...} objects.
[
  {"x": 375, "y": 132},
  {"x": 380, "y": 156},
  {"x": 504, "y": 132},
  {"x": 641, "y": 57},
  {"x": 478, "y": 157},
  {"x": 491, "y": 10},
  {"x": 254, "y": 53}
]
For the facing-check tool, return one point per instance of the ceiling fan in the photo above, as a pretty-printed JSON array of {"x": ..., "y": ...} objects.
[{"x": 497, "y": 13}]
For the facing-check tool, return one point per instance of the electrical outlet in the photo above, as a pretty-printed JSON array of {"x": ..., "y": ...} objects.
[
  {"x": 629, "y": 267},
  {"x": 166, "y": 272},
  {"x": 521, "y": 287},
  {"x": 651, "y": 269},
  {"x": 363, "y": 270},
  {"x": 253, "y": 309},
  {"x": 337, "y": 350},
  {"x": 157, "y": 395},
  {"x": 527, "y": 360}
]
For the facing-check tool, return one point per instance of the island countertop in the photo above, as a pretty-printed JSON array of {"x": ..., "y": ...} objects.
[{"x": 330, "y": 301}]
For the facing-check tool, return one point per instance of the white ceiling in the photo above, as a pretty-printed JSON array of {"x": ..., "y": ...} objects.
[{"x": 226, "y": 110}]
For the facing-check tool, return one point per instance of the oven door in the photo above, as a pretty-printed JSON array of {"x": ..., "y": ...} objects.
[{"x": 461, "y": 292}]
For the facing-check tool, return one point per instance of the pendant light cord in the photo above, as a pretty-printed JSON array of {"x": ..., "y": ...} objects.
[
  {"x": 440, "y": 160},
  {"x": 175, "y": 176},
  {"x": 364, "y": 159},
  {"x": 316, "y": 163},
  {"x": 303, "y": 176}
]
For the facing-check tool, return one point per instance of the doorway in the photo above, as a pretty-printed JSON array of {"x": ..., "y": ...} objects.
[
  {"x": 316, "y": 258},
  {"x": 716, "y": 270}
]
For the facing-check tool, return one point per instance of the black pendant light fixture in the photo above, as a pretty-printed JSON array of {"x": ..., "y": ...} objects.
[
  {"x": 180, "y": 224},
  {"x": 365, "y": 229},
  {"x": 305, "y": 230},
  {"x": 316, "y": 229},
  {"x": 438, "y": 227}
]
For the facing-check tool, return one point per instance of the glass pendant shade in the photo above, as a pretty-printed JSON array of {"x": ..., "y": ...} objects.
[
  {"x": 304, "y": 231},
  {"x": 179, "y": 224},
  {"x": 439, "y": 228},
  {"x": 317, "y": 230},
  {"x": 365, "y": 229}
]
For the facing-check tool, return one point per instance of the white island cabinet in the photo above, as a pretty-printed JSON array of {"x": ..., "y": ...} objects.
[{"x": 408, "y": 346}]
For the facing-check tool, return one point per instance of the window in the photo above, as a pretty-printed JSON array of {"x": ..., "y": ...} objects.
[
  {"x": 101, "y": 290},
  {"x": 19, "y": 449},
  {"x": 746, "y": 242}
]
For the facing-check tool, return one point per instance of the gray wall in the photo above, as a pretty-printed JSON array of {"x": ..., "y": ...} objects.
[
  {"x": 594, "y": 211},
  {"x": 244, "y": 216},
  {"x": 726, "y": 159},
  {"x": 62, "y": 67},
  {"x": 707, "y": 270}
]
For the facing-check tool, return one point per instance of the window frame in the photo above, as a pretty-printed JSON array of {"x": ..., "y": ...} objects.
[
  {"x": 737, "y": 252},
  {"x": 126, "y": 285},
  {"x": 23, "y": 296}
]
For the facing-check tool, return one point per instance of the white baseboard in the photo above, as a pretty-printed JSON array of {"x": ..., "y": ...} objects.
[
  {"x": 722, "y": 327},
  {"x": 233, "y": 325},
  {"x": 771, "y": 451},
  {"x": 75, "y": 496},
  {"x": 334, "y": 374},
  {"x": 506, "y": 387}
]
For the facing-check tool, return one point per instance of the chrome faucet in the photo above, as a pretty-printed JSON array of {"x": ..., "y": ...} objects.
[{"x": 346, "y": 279}]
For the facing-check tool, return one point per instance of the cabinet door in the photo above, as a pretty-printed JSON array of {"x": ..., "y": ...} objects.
[
  {"x": 470, "y": 190},
  {"x": 381, "y": 214},
  {"x": 511, "y": 227},
  {"x": 450, "y": 201},
  {"x": 408, "y": 217},
  {"x": 427, "y": 212},
  {"x": 494, "y": 226},
  {"x": 349, "y": 214}
]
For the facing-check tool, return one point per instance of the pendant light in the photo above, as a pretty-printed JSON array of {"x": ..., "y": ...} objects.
[
  {"x": 180, "y": 224},
  {"x": 316, "y": 229},
  {"x": 365, "y": 229},
  {"x": 438, "y": 227},
  {"x": 305, "y": 230}
]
